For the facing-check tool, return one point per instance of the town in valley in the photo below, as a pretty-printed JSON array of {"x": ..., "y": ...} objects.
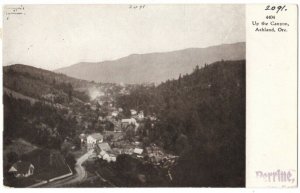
[{"x": 124, "y": 95}]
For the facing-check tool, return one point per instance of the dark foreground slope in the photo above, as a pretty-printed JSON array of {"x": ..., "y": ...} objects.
[{"x": 39, "y": 115}]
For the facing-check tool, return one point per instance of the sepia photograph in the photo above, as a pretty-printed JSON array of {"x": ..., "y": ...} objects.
[{"x": 131, "y": 95}]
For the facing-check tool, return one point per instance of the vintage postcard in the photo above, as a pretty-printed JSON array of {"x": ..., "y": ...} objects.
[{"x": 149, "y": 95}]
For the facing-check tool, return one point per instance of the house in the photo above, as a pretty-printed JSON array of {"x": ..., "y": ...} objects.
[
  {"x": 138, "y": 151},
  {"x": 94, "y": 139},
  {"x": 49, "y": 97},
  {"x": 128, "y": 121},
  {"x": 114, "y": 113},
  {"x": 82, "y": 137},
  {"x": 94, "y": 107},
  {"x": 106, "y": 157},
  {"x": 104, "y": 147},
  {"x": 104, "y": 151},
  {"x": 100, "y": 118},
  {"x": 140, "y": 115},
  {"x": 21, "y": 169},
  {"x": 152, "y": 117},
  {"x": 113, "y": 158},
  {"x": 133, "y": 112},
  {"x": 128, "y": 151}
]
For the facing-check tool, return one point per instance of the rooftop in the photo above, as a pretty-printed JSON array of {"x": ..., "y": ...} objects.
[
  {"x": 104, "y": 147},
  {"x": 21, "y": 167},
  {"x": 97, "y": 136}
]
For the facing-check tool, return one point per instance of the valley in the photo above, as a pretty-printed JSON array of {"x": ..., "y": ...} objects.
[{"x": 126, "y": 135}]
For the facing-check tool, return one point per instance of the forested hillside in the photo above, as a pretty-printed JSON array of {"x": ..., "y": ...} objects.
[
  {"x": 59, "y": 88},
  {"x": 40, "y": 108},
  {"x": 201, "y": 117}
]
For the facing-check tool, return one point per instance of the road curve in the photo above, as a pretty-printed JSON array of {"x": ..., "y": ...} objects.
[{"x": 78, "y": 177}]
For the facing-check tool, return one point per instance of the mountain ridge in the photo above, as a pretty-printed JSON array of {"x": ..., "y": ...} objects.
[{"x": 158, "y": 66}]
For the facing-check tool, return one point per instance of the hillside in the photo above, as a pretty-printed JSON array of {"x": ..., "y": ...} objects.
[
  {"x": 42, "y": 84},
  {"x": 40, "y": 111},
  {"x": 201, "y": 117},
  {"x": 45, "y": 75},
  {"x": 153, "y": 67}
]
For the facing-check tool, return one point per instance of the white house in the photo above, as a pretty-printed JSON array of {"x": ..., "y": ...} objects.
[
  {"x": 138, "y": 151},
  {"x": 21, "y": 169},
  {"x": 82, "y": 137},
  {"x": 113, "y": 158},
  {"x": 140, "y": 115},
  {"x": 94, "y": 107},
  {"x": 106, "y": 157},
  {"x": 105, "y": 152},
  {"x": 94, "y": 139},
  {"x": 126, "y": 122},
  {"x": 129, "y": 121},
  {"x": 114, "y": 113},
  {"x": 133, "y": 112}
]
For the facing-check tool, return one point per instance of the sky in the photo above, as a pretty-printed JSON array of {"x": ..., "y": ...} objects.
[{"x": 55, "y": 36}]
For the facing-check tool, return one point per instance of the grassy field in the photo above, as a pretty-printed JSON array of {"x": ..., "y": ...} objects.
[{"x": 19, "y": 95}]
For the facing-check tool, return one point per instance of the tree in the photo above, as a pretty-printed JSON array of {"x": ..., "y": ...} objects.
[
  {"x": 179, "y": 80},
  {"x": 77, "y": 142},
  {"x": 70, "y": 92},
  {"x": 129, "y": 132},
  {"x": 12, "y": 157},
  {"x": 197, "y": 68},
  {"x": 109, "y": 137},
  {"x": 181, "y": 143}
]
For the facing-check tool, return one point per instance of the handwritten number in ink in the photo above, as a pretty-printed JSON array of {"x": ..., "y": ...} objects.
[
  {"x": 137, "y": 6},
  {"x": 278, "y": 8}
]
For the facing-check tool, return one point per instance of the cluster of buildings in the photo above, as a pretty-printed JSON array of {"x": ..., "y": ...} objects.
[
  {"x": 93, "y": 139},
  {"x": 103, "y": 150}
]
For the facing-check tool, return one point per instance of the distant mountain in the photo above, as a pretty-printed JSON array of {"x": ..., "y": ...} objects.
[{"x": 153, "y": 67}]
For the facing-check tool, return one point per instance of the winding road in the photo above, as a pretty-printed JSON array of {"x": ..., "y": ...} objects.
[{"x": 80, "y": 175}]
